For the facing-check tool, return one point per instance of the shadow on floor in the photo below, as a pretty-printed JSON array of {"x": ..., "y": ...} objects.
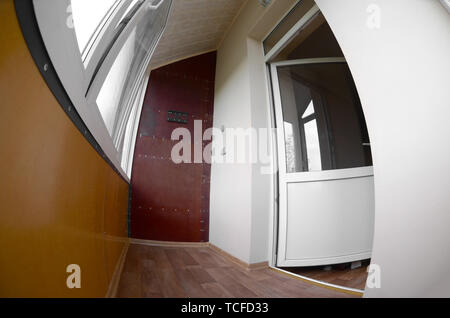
[{"x": 339, "y": 274}]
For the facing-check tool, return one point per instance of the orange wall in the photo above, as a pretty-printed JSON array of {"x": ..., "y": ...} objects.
[{"x": 60, "y": 202}]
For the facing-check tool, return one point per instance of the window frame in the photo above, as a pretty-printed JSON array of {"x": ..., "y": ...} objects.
[
  {"x": 53, "y": 19},
  {"x": 291, "y": 34}
]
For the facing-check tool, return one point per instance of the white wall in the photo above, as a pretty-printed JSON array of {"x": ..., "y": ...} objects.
[
  {"x": 241, "y": 195},
  {"x": 230, "y": 207},
  {"x": 402, "y": 72}
]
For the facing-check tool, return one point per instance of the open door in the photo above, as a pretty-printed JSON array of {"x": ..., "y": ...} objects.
[{"x": 326, "y": 206}]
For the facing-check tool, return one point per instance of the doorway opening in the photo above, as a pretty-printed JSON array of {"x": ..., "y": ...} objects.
[{"x": 325, "y": 218}]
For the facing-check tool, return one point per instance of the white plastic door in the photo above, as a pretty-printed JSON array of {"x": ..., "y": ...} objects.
[{"x": 326, "y": 213}]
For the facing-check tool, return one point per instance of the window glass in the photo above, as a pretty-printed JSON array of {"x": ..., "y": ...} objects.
[
  {"x": 133, "y": 5},
  {"x": 108, "y": 99},
  {"x": 88, "y": 17},
  {"x": 323, "y": 118},
  {"x": 119, "y": 90}
]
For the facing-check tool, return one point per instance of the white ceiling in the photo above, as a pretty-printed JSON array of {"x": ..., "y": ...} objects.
[{"x": 194, "y": 27}]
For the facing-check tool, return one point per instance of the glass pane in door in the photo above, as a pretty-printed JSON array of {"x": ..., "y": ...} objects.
[{"x": 324, "y": 123}]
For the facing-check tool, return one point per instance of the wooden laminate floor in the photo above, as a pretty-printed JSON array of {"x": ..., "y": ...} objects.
[{"x": 200, "y": 272}]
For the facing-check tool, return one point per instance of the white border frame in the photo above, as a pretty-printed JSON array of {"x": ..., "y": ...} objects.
[
  {"x": 141, "y": 98},
  {"x": 273, "y": 215}
]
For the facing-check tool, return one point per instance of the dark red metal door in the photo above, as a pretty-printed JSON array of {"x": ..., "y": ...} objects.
[{"x": 170, "y": 202}]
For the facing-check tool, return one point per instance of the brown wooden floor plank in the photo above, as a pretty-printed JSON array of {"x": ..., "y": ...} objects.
[
  {"x": 187, "y": 259},
  {"x": 201, "y": 275},
  {"x": 174, "y": 258},
  {"x": 130, "y": 285},
  {"x": 191, "y": 286},
  {"x": 159, "y": 255},
  {"x": 150, "y": 284},
  {"x": 261, "y": 288},
  {"x": 165, "y": 274},
  {"x": 231, "y": 284},
  {"x": 259, "y": 275},
  {"x": 216, "y": 290},
  {"x": 188, "y": 272},
  {"x": 204, "y": 258},
  {"x": 169, "y": 284}
]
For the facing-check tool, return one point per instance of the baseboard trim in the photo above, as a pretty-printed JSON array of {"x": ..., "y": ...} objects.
[
  {"x": 256, "y": 266},
  {"x": 115, "y": 279},
  {"x": 168, "y": 244},
  {"x": 251, "y": 267}
]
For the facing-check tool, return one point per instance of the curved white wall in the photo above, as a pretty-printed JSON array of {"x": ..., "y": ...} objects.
[{"x": 402, "y": 71}]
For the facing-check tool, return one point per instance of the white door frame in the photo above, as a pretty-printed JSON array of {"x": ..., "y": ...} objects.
[
  {"x": 273, "y": 220},
  {"x": 292, "y": 33}
]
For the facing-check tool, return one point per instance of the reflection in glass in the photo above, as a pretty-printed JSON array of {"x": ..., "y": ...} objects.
[
  {"x": 309, "y": 110},
  {"x": 324, "y": 123},
  {"x": 290, "y": 147},
  {"x": 118, "y": 96},
  {"x": 312, "y": 146},
  {"x": 109, "y": 97},
  {"x": 132, "y": 6}
]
